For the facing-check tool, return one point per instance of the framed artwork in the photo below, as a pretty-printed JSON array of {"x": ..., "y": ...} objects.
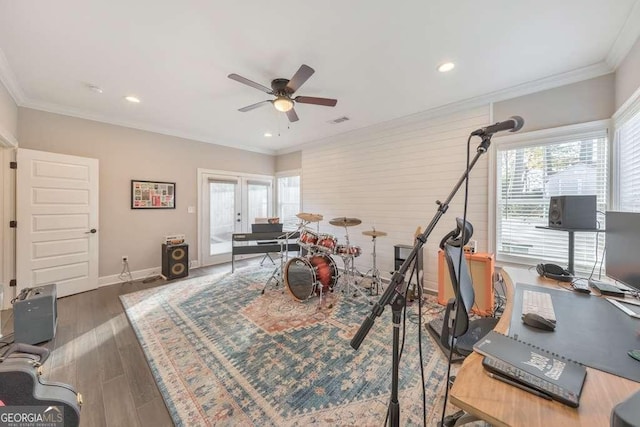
[{"x": 153, "y": 195}]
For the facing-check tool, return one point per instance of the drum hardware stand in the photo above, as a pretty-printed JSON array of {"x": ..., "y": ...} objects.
[
  {"x": 278, "y": 271},
  {"x": 350, "y": 277},
  {"x": 376, "y": 280},
  {"x": 395, "y": 294},
  {"x": 349, "y": 269}
]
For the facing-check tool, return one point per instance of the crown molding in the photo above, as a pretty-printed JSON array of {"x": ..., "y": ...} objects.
[
  {"x": 626, "y": 38},
  {"x": 9, "y": 80},
  {"x": 557, "y": 80},
  {"x": 74, "y": 112}
]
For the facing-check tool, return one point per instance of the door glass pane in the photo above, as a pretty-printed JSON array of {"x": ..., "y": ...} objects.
[
  {"x": 222, "y": 215},
  {"x": 258, "y": 201}
]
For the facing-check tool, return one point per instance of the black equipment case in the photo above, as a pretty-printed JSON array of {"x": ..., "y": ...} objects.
[{"x": 21, "y": 385}]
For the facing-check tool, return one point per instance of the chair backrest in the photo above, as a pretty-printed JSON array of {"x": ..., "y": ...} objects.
[{"x": 462, "y": 287}]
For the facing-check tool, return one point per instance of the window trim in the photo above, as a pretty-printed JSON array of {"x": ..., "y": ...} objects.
[
  {"x": 535, "y": 138},
  {"x": 626, "y": 112}
]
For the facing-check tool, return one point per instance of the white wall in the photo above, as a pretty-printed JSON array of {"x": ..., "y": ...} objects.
[
  {"x": 628, "y": 75},
  {"x": 127, "y": 154},
  {"x": 390, "y": 176},
  {"x": 289, "y": 161},
  {"x": 581, "y": 102}
]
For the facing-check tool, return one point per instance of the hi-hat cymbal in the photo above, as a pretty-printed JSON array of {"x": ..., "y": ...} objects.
[
  {"x": 374, "y": 233},
  {"x": 345, "y": 222},
  {"x": 309, "y": 217}
]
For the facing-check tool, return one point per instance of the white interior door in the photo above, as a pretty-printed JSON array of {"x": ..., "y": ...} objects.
[{"x": 57, "y": 214}]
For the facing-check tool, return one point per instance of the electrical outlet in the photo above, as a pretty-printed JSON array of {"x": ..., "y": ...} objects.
[{"x": 125, "y": 259}]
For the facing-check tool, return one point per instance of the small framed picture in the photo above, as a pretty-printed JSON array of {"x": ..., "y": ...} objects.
[{"x": 153, "y": 195}]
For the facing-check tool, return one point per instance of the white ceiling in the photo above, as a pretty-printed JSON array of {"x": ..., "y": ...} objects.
[{"x": 377, "y": 57}]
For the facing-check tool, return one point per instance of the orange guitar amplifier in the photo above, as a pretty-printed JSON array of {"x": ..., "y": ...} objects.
[{"x": 481, "y": 266}]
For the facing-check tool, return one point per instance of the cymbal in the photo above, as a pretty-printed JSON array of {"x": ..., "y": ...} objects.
[
  {"x": 345, "y": 222},
  {"x": 309, "y": 217},
  {"x": 374, "y": 233}
]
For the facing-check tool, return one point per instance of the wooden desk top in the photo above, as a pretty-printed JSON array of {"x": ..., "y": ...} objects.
[{"x": 503, "y": 405}]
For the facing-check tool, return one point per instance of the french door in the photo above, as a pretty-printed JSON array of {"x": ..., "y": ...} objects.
[{"x": 230, "y": 204}]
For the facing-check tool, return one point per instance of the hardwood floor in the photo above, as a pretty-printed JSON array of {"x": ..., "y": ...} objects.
[{"x": 96, "y": 351}]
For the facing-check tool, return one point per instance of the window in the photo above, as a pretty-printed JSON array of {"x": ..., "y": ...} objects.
[
  {"x": 288, "y": 194},
  {"x": 531, "y": 168},
  {"x": 627, "y": 160}
]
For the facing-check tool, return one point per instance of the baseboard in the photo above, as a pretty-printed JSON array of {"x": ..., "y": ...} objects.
[
  {"x": 139, "y": 274},
  {"x": 135, "y": 275}
]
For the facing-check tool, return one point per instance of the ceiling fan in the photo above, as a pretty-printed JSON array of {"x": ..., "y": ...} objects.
[{"x": 283, "y": 89}]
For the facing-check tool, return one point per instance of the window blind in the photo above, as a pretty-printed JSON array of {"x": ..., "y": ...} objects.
[
  {"x": 288, "y": 194},
  {"x": 528, "y": 175},
  {"x": 628, "y": 164}
]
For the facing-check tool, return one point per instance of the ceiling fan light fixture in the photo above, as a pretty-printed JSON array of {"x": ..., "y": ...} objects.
[{"x": 283, "y": 104}]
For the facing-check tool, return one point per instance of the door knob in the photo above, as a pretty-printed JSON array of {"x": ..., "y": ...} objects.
[{"x": 92, "y": 231}]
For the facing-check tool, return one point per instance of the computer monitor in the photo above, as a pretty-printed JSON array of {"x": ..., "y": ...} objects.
[{"x": 622, "y": 256}]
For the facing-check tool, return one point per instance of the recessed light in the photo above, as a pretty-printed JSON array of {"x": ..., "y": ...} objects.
[
  {"x": 132, "y": 99},
  {"x": 447, "y": 66},
  {"x": 267, "y": 135}
]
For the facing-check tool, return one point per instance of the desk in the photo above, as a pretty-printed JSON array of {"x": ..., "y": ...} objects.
[
  {"x": 278, "y": 236},
  {"x": 504, "y": 405}
]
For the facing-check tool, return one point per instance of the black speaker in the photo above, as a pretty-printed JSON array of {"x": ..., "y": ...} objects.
[
  {"x": 573, "y": 212},
  {"x": 175, "y": 261},
  {"x": 555, "y": 272}
]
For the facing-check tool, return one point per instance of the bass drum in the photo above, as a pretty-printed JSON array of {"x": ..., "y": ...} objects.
[{"x": 302, "y": 274}]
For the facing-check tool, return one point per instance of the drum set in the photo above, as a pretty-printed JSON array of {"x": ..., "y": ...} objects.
[{"x": 315, "y": 272}]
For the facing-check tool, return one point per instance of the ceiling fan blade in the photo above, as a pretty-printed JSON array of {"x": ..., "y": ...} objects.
[
  {"x": 254, "y": 106},
  {"x": 317, "y": 101},
  {"x": 301, "y": 76},
  {"x": 250, "y": 83},
  {"x": 292, "y": 116}
]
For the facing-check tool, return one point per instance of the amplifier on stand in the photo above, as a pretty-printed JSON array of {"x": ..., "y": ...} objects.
[{"x": 175, "y": 261}]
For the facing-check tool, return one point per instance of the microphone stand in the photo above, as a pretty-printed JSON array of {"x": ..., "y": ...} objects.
[{"x": 395, "y": 294}]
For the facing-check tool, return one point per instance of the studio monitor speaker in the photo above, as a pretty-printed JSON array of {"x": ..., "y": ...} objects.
[
  {"x": 175, "y": 261},
  {"x": 573, "y": 212}
]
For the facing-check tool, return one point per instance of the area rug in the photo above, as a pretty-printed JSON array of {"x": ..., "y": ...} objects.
[{"x": 223, "y": 353}]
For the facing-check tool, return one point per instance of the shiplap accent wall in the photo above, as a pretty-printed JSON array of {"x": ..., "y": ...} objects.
[{"x": 390, "y": 177}]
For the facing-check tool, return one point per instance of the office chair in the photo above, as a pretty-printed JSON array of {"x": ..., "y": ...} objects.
[{"x": 467, "y": 332}]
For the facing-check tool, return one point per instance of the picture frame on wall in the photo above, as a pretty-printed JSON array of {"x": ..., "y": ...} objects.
[{"x": 153, "y": 194}]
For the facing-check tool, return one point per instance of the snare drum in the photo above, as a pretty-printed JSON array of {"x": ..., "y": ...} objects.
[
  {"x": 344, "y": 250},
  {"x": 327, "y": 243},
  {"x": 304, "y": 276},
  {"x": 308, "y": 237}
]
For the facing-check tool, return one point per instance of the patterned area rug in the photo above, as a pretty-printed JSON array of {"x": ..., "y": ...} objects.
[{"x": 223, "y": 353}]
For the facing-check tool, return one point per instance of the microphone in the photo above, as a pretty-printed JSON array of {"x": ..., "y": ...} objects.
[{"x": 513, "y": 124}]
